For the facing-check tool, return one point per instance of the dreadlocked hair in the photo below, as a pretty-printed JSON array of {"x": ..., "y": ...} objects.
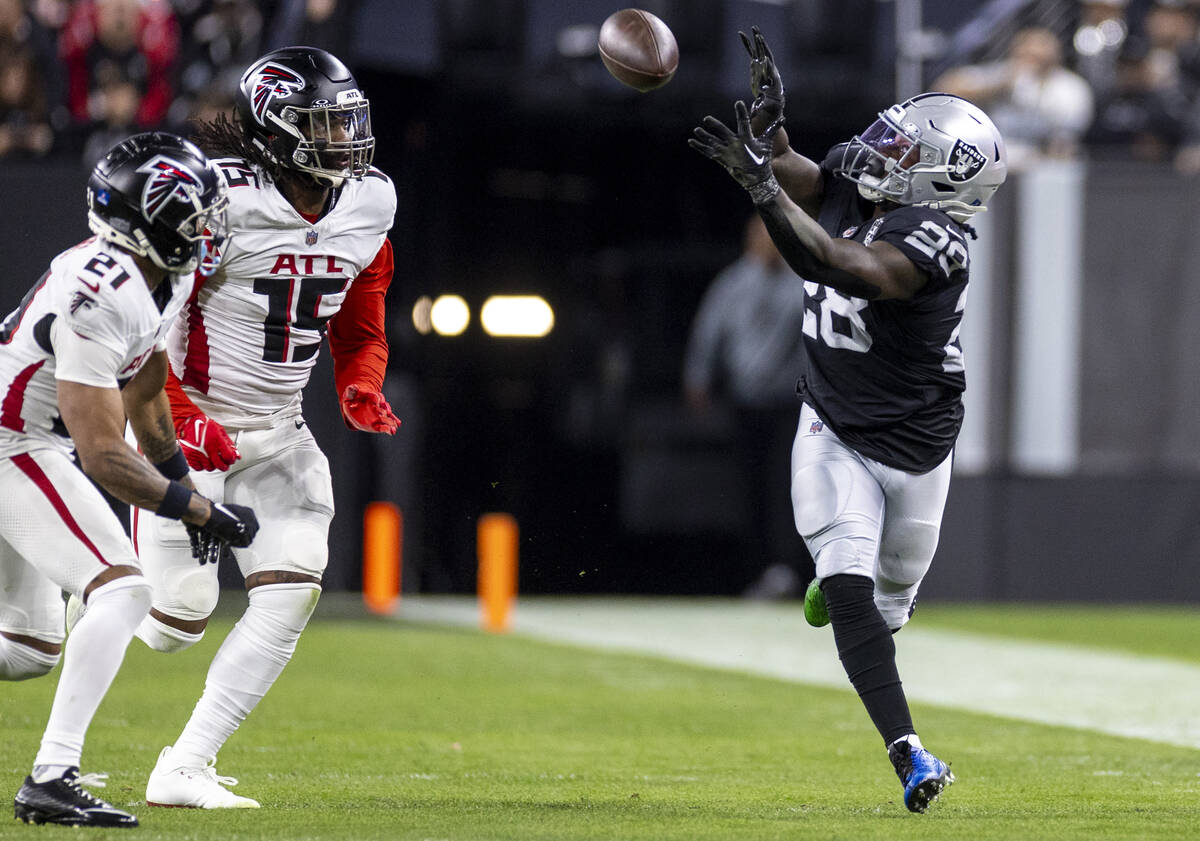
[{"x": 222, "y": 138}]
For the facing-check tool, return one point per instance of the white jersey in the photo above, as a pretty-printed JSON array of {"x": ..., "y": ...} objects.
[
  {"x": 90, "y": 319},
  {"x": 247, "y": 342}
]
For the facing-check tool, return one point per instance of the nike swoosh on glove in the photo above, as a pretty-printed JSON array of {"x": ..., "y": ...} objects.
[
  {"x": 365, "y": 409},
  {"x": 205, "y": 443}
]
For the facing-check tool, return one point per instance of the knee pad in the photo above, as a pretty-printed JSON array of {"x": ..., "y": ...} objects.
[
  {"x": 162, "y": 637},
  {"x": 298, "y": 546},
  {"x": 277, "y": 614},
  {"x": 307, "y": 548},
  {"x": 906, "y": 550},
  {"x": 22, "y": 662},
  {"x": 189, "y": 592},
  {"x": 130, "y": 595}
]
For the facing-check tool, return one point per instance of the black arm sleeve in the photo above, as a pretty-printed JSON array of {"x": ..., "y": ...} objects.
[{"x": 804, "y": 262}]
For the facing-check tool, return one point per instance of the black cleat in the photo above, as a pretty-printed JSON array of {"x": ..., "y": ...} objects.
[{"x": 65, "y": 801}]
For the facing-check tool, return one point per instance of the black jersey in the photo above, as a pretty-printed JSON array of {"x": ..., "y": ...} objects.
[{"x": 887, "y": 376}]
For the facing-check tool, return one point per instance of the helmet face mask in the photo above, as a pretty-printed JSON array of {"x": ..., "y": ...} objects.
[
  {"x": 935, "y": 150},
  {"x": 157, "y": 196},
  {"x": 302, "y": 108}
]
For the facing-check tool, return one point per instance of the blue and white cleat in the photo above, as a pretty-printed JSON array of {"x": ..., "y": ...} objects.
[{"x": 922, "y": 774}]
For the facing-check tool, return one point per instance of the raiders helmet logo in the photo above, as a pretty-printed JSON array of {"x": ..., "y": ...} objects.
[
  {"x": 270, "y": 82},
  {"x": 965, "y": 162},
  {"x": 168, "y": 180}
]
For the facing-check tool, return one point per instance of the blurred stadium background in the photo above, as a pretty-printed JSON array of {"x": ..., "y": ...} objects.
[{"x": 521, "y": 167}]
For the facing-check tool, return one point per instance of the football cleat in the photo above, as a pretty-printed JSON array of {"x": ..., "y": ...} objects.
[
  {"x": 64, "y": 801},
  {"x": 185, "y": 787},
  {"x": 815, "y": 611},
  {"x": 922, "y": 774}
]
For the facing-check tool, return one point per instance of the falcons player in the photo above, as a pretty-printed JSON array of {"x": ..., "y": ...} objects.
[
  {"x": 878, "y": 233},
  {"x": 84, "y": 350},
  {"x": 307, "y": 254}
]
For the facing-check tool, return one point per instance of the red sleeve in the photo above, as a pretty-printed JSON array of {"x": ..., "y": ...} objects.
[
  {"x": 182, "y": 407},
  {"x": 358, "y": 333}
]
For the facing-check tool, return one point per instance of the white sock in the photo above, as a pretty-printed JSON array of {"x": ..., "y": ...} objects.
[
  {"x": 248, "y": 662},
  {"x": 913, "y": 740},
  {"x": 45, "y": 773},
  {"x": 162, "y": 637},
  {"x": 93, "y": 656},
  {"x": 21, "y": 662}
]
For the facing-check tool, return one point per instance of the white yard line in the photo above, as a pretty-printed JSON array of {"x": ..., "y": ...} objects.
[{"x": 1094, "y": 689}]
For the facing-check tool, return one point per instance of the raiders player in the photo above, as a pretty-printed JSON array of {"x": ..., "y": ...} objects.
[
  {"x": 307, "y": 253},
  {"x": 86, "y": 348},
  {"x": 878, "y": 235}
]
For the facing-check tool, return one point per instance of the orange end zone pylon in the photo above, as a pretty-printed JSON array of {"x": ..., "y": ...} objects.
[
  {"x": 497, "y": 539},
  {"x": 383, "y": 531}
]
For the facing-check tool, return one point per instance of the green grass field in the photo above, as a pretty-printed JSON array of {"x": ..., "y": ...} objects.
[{"x": 394, "y": 730}]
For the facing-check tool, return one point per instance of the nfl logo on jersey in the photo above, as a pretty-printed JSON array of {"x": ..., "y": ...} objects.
[
  {"x": 310, "y": 238},
  {"x": 816, "y": 427}
]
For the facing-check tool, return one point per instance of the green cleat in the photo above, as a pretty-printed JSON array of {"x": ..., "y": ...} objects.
[{"x": 815, "y": 611}]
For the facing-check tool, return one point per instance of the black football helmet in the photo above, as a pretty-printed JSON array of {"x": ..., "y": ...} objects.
[
  {"x": 301, "y": 107},
  {"x": 158, "y": 196}
]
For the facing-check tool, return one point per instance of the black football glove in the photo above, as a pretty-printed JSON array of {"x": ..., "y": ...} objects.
[
  {"x": 746, "y": 157},
  {"x": 235, "y": 525},
  {"x": 766, "y": 85},
  {"x": 206, "y": 548}
]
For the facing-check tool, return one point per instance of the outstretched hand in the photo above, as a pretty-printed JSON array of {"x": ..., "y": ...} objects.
[
  {"x": 766, "y": 85},
  {"x": 365, "y": 409},
  {"x": 745, "y": 157}
]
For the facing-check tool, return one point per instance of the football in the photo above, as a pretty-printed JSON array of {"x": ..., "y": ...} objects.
[{"x": 638, "y": 49}]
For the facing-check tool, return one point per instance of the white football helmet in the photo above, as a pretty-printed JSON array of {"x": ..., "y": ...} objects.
[{"x": 936, "y": 150}]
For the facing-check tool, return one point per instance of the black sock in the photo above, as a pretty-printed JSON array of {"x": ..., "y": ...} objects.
[{"x": 868, "y": 653}]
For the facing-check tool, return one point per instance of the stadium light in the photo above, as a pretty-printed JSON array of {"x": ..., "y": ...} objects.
[
  {"x": 527, "y": 316},
  {"x": 420, "y": 315},
  {"x": 449, "y": 315}
]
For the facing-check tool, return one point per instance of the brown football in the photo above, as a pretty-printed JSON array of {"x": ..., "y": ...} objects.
[{"x": 638, "y": 49}]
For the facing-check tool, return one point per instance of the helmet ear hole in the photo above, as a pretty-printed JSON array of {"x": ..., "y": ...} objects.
[{"x": 942, "y": 186}]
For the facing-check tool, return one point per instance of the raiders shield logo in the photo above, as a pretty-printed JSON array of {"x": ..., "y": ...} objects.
[{"x": 965, "y": 162}]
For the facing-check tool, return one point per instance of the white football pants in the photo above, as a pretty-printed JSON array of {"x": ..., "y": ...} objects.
[{"x": 860, "y": 517}]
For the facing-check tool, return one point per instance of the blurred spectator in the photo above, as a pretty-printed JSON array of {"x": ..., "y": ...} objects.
[
  {"x": 22, "y": 32},
  {"x": 52, "y": 14},
  {"x": 746, "y": 349},
  {"x": 202, "y": 107},
  {"x": 316, "y": 23},
  {"x": 108, "y": 41},
  {"x": 223, "y": 38},
  {"x": 1144, "y": 116},
  {"x": 116, "y": 105},
  {"x": 1040, "y": 106},
  {"x": 1170, "y": 28},
  {"x": 24, "y": 125},
  {"x": 1097, "y": 42}
]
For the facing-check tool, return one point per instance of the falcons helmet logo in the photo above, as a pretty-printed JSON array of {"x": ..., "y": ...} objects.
[
  {"x": 271, "y": 81},
  {"x": 168, "y": 180}
]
